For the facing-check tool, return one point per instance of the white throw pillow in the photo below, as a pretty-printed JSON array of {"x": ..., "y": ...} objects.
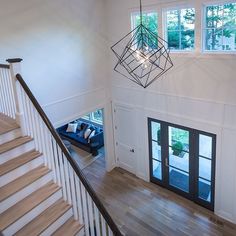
[
  {"x": 91, "y": 135},
  {"x": 87, "y": 133},
  {"x": 72, "y": 128}
]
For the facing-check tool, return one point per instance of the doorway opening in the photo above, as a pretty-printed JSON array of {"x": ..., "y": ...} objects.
[
  {"x": 183, "y": 160},
  {"x": 84, "y": 138}
]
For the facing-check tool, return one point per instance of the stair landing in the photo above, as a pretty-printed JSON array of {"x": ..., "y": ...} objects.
[{"x": 7, "y": 124}]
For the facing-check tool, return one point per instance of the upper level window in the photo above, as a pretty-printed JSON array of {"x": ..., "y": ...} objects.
[
  {"x": 150, "y": 21},
  {"x": 220, "y": 27},
  {"x": 180, "y": 25}
]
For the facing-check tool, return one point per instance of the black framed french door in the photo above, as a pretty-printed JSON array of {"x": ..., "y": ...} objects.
[{"x": 183, "y": 160}]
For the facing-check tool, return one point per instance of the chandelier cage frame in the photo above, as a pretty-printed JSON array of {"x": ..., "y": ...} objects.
[{"x": 143, "y": 56}]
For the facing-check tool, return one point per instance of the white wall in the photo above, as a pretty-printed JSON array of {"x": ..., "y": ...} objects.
[
  {"x": 63, "y": 46},
  {"x": 198, "y": 92}
]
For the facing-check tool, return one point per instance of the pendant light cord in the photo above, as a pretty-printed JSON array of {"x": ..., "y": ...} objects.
[{"x": 141, "y": 12}]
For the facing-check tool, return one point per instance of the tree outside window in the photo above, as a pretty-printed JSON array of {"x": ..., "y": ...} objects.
[
  {"x": 150, "y": 21},
  {"x": 180, "y": 25},
  {"x": 220, "y": 27}
]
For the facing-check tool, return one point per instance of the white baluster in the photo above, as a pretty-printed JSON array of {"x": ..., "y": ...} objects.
[
  {"x": 104, "y": 230},
  {"x": 97, "y": 221},
  {"x": 109, "y": 232},
  {"x": 25, "y": 117},
  {"x": 85, "y": 210},
  {"x": 91, "y": 215},
  {"x": 74, "y": 203},
  {"x": 61, "y": 161},
  {"x": 67, "y": 179},
  {"x": 56, "y": 159},
  {"x": 79, "y": 198}
]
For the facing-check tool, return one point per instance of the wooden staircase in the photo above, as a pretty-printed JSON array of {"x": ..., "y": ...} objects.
[{"x": 30, "y": 202}]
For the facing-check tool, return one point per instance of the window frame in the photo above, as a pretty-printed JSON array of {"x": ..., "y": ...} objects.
[
  {"x": 203, "y": 28},
  {"x": 165, "y": 30}
]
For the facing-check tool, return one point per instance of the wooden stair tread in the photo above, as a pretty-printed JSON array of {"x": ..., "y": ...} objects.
[
  {"x": 23, "y": 181},
  {"x": 18, "y": 161},
  {"x": 7, "y": 124},
  {"x": 70, "y": 228},
  {"x": 14, "y": 143},
  {"x": 45, "y": 219},
  {"x": 15, "y": 212}
]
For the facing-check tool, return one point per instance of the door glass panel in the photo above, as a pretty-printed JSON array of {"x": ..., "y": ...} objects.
[
  {"x": 204, "y": 189},
  {"x": 205, "y": 168},
  {"x": 179, "y": 158},
  {"x": 179, "y": 139},
  {"x": 179, "y": 179},
  {"x": 205, "y": 146},
  {"x": 156, "y": 151},
  {"x": 156, "y": 132},
  {"x": 180, "y": 161},
  {"x": 157, "y": 171}
]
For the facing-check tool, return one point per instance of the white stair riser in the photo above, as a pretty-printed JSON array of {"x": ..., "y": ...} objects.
[
  {"x": 9, "y": 136},
  {"x": 11, "y": 154},
  {"x": 18, "y": 196},
  {"x": 13, "y": 228},
  {"x": 57, "y": 224},
  {"x": 9, "y": 177}
]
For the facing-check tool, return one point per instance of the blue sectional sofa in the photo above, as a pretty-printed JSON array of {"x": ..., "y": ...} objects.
[{"x": 78, "y": 139}]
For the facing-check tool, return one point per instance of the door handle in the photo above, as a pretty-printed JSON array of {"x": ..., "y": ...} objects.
[
  {"x": 131, "y": 150},
  {"x": 166, "y": 162}
]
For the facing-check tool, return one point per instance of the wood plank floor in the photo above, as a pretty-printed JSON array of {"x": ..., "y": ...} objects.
[
  {"x": 145, "y": 209},
  {"x": 7, "y": 124}
]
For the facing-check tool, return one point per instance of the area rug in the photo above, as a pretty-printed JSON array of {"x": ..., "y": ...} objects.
[
  {"x": 82, "y": 157},
  {"x": 181, "y": 181}
]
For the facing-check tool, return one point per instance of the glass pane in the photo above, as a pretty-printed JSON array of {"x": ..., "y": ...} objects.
[
  {"x": 157, "y": 172},
  {"x": 205, "y": 168},
  {"x": 179, "y": 139},
  {"x": 187, "y": 19},
  {"x": 156, "y": 151},
  {"x": 229, "y": 19},
  {"x": 179, "y": 159},
  {"x": 213, "y": 39},
  {"x": 150, "y": 20},
  {"x": 173, "y": 40},
  {"x": 156, "y": 131},
  {"x": 214, "y": 16},
  {"x": 204, "y": 190},
  {"x": 179, "y": 179},
  {"x": 173, "y": 19},
  {"x": 205, "y": 146},
  {"x": 187, "y": 40},
  {"x": 229, "y": 39}
]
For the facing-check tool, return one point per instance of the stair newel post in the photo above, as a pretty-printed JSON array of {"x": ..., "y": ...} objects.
[{"x": 15, "y": 68}]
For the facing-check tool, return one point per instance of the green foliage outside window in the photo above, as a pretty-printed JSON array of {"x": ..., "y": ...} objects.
[
  {"x": 220, "y": 27},
  {"x": 150, "y": 21},
  {"x": 180, "y": 28}
]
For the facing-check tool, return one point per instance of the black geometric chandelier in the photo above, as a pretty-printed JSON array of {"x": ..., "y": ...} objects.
[{"x": 142, "y": 55}]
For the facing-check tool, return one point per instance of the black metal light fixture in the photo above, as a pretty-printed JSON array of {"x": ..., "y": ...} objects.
[{"x": 142, "y": 55}]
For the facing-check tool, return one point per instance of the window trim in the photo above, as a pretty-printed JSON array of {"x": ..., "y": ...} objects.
[
  {"x": 164, "y": 27},
  {"x": 204, "y": 51}
]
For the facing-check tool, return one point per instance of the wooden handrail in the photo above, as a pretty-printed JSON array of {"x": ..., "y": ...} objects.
[
  {"x": 74, "y": 165},
  {"x": 4, "y": 66}
]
